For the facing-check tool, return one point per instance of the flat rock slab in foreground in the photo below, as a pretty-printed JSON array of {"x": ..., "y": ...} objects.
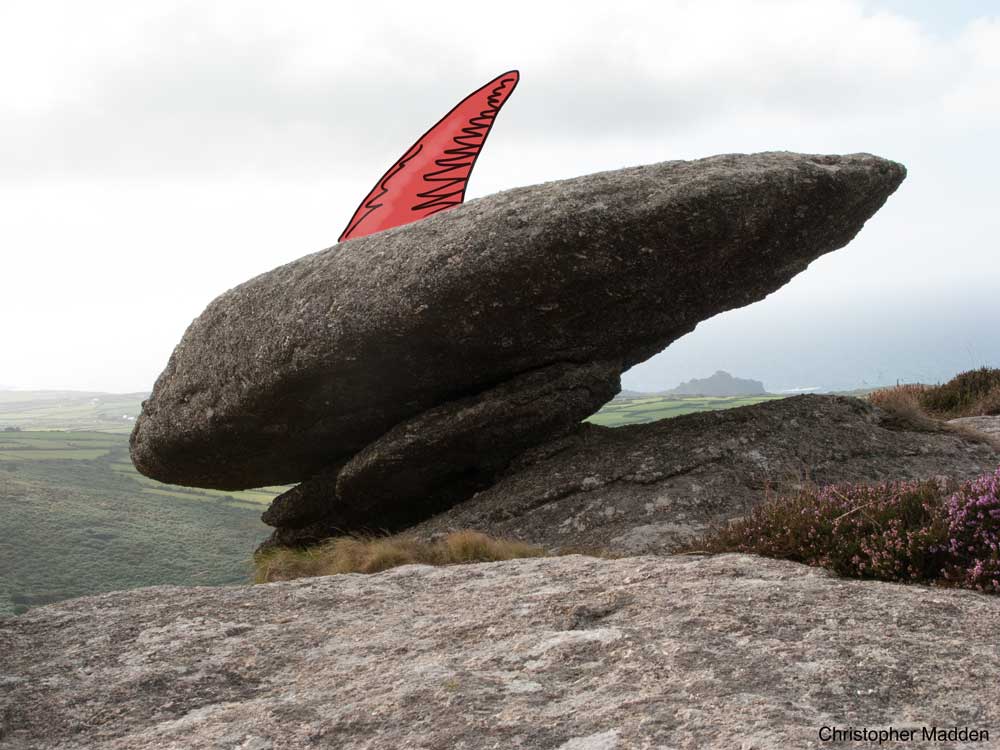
[
  {"x": 302, "y": 367},
  {"x": 569, "y": 653}
]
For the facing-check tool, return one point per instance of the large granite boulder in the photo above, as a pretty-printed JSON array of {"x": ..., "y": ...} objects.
[
  {"x": 444, "y": 455},
  {"x": 484, "y": 431},
  {"x": 302, "y": 368},
  {"x": 569, "y": 653}
]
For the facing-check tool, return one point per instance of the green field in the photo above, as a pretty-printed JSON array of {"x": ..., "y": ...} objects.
[
  {"x": 651, "y": 408},
  {"x": 69, "y": 410},
  {"x": 78, "y": 519}
]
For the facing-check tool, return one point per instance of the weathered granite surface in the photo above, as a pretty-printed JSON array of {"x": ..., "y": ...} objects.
[
  {"x": 569, "y": 653},
  {"x": 987, "y": 425},
  {"x": 652, "y": 487},
  {"x": 301, "y": 368}
]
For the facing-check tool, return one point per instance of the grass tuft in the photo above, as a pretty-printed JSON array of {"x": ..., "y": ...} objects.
[
  {"x": 903, "y": 404},
  {"x": 969, "y": 394},
  {"x": 356, "y": 554},
  {"x": 473, "y": 546}
]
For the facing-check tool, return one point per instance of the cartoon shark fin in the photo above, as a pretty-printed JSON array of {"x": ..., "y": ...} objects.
[{"x": 434, "y": 172}]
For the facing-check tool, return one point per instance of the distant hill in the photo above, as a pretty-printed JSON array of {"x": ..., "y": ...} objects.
[{"x": 719, "y": 384}]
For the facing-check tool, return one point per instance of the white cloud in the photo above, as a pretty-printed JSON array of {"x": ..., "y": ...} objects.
[
  {"x": 155, "y": 154},
  {"x": 976, "y": 96},
  {"x": 126, "y": 88}
]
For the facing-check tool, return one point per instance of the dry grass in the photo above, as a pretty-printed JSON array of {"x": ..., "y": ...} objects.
[
  {"x": 990, "y": 403},
  {"x": 375, "y": 554},
  {"x": 925, "y": 408},
  {"x": 968, "y": 394},
  {"x": 904, "y": 407},
  {"x": 909, "y": 393}
]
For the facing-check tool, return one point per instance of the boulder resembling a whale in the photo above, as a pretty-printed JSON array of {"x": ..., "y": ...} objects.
[{"x": 303, "y": 367}]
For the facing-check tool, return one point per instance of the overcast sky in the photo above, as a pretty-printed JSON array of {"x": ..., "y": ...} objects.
[{"x": 156, "y": 154}]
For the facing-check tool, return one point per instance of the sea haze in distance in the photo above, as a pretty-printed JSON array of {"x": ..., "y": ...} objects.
[{"x": 876, "y": 340}]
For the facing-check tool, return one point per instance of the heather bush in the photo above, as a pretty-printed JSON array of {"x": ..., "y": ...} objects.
[
  {"x": 928, "y": 532},
  {"x": 973, "y": 546}
]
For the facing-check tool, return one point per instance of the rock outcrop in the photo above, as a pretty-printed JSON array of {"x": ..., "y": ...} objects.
[
  {"x": 719, "y": 384},
  {"x": 570, "y": 653},
  {"x": 650, "y": 488},
  {"x": 343, "y": 358}
]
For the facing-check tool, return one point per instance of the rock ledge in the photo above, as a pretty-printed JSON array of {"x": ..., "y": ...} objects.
[{"x": 564, "y": 653}]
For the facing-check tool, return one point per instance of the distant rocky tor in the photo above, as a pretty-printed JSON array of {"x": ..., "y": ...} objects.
[
  {"x": 719, "y": 384},
  {"x": 397, "y": 374},
  {"x": 568, "y": 653}
]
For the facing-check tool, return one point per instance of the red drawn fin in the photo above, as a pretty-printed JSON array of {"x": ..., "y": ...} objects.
[{"x": 434, "y": 172}]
